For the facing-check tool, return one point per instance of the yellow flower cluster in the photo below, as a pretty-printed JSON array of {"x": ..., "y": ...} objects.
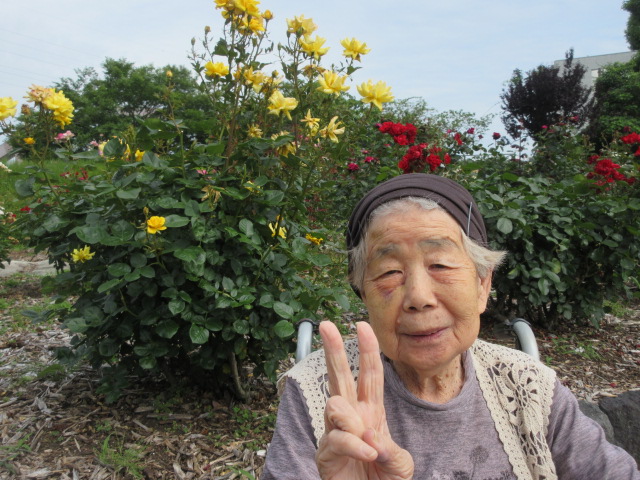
[
  {"x": 81, "y": 255},
  {"x": 7, "y": 107},
  {"x": 301, "y": 26},
  {"x": 57, "y": 102},
  {"x": 245, "y": 15}
]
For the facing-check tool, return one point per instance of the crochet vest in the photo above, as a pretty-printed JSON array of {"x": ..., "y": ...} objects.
[{"x": 517, "y": 389}]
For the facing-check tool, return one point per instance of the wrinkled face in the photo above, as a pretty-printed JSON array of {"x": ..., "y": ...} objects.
[{"x": 421, "y": 289}]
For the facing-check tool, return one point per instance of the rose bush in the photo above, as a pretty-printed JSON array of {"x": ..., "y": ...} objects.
[{"x": 198, "y": 259}]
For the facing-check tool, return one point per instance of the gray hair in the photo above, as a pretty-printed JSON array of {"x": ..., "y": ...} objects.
[{"x": 484, "y": 259}]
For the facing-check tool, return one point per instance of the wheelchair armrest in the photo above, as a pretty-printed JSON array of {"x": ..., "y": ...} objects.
[
  {"x": 305, "y": 337},
  {"x": 526, "y": 340}
]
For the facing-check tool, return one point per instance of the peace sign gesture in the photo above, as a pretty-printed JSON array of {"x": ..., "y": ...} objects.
[{"x": 357, "y": 444}]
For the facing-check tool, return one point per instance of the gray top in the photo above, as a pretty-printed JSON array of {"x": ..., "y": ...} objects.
[{"x": 453, "y": 441}]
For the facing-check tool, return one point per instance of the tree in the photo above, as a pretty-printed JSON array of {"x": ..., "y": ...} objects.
[
  {"x": 126, "y": 95},
  {"x": 544, "y": 96},
  {"x": 633, "y": 23},
  {"x": 617, "y": 95}
]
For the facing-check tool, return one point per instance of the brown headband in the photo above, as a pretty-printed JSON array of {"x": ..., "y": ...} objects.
[{"x": 451, "y": 196}]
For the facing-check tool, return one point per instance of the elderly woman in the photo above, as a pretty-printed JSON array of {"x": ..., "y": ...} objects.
[{"x": 419, "y": 395}]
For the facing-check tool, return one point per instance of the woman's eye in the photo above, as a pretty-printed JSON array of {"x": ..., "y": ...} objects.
[
  {"x": 438, "y": 266},
  {"x": 390, "y": 272}
]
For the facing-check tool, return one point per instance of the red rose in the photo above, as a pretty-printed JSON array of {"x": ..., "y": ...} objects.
[{"x": 496, "y": 135}]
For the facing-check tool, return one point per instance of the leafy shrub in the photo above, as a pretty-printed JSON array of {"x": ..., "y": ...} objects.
[{"x": 571, "y": 233}]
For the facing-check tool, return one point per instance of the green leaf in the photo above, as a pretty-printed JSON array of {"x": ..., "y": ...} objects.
[
  {"x": 198, "y": 334},
  {"x": 130, "y": 194},
  {"x": 282, "y": 309},
  {"x": 167, "y": 328},
  {"x": 283, "y": 329},
  {"x": 320, "y": 259},
  {"x": 536, "y": 272},
  {"x": 24, "y": 188},
  {"x": 176, "y": 221},
  {"x": 108, "y": 347},
  {"x": 505, "y": 225},
  {"x": 176, "y": 306},
  {"x": 148, "y": 362},
  {"x": 246, "y": 227},
  {"x": 342, "y": 300},
  {"x": 191, "y": 254},
  {"x": 53, "y": 223},
  {"x": 214, "y": 324},
  {"x": 241, "y": 327},
  {"x": 138, "y": 260},
  {"x": 148, "y": 272},
  {"x": 122, "y": 230},
  {"x": 119, "y": 269},
  {"x": 273, "y": 197},
  {"x": 227, "y": 284},
  {"x": 90, "y": 234},
  {"x": 106, "y": 286},
  {"x": 76, "y": 325}
]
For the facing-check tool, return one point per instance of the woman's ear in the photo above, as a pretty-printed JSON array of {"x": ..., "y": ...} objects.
[{"x": 484, "y": 289}]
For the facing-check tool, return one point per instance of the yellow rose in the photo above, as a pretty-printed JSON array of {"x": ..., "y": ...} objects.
[
  {"x": 375, "y": 94},
  {"x": 314, "y": 240},
  {"x": 353, "y": 48},
  {"x": 314, "y": 47},
  {"x": 279, "y": 103},
  {"x": 139, "y": 154},
  {"x": 29, "y": 140},
  {"x": 155, "y": 224},
  {"x": 7, "y": 107},
  {"x": 217, "y": 69},
  {"x": 81, "y": 255},
  {"x": 61, "y": 107},
  {"x": 282, "y": 232}
]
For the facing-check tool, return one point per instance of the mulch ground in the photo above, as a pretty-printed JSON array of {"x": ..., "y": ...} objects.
[{"x": 54, "y": 425}]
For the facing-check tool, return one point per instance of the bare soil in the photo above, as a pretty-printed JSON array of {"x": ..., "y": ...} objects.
[{"x": 54, "y": 425}]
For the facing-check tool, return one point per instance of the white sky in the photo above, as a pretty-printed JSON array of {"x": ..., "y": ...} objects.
[{"x": 456, "y": 54}]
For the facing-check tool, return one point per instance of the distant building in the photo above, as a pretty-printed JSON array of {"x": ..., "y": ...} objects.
[{"x": 595, "y": 63}]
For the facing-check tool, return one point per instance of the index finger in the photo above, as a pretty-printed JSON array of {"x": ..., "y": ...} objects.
[{"x": 340, "y": 377}]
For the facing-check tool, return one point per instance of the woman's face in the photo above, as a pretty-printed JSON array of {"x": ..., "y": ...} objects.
[{"x": 421, "y": 289}]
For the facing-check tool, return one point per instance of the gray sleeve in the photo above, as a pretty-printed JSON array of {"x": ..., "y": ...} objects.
[
  {"x": 292, "y": 451},
  {"x": 578, "y": 444}
]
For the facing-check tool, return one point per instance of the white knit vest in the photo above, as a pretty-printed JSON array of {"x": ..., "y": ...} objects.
[{"x": 518, "y": 391}]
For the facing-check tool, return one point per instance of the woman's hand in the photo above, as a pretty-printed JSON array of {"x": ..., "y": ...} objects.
[{"x": 357, "y": 444}]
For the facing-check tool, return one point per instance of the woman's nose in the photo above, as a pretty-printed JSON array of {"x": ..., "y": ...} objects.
[{"x": 419, "y": 292}]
